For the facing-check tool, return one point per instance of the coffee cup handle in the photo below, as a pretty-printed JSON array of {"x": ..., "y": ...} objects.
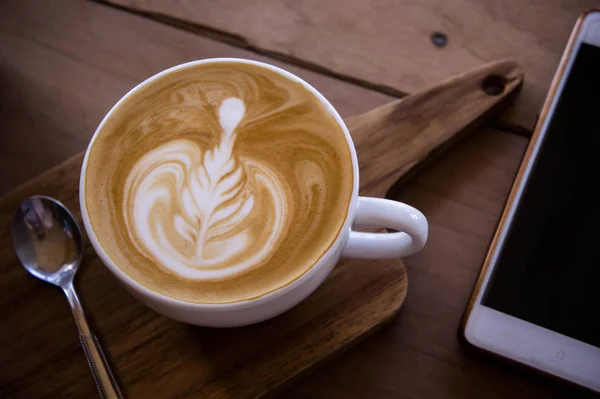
[{"x": 410, "y": 224}]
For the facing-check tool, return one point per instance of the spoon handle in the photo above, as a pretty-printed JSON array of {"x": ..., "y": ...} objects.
[{"x": 105, "y": 381}]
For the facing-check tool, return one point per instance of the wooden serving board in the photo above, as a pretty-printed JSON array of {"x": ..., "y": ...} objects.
[{"x": 153, "y": 356}]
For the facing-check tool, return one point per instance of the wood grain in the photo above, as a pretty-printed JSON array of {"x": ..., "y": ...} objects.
[
  {"x": 387, "y": 44},
  {"x": 64, "y": 63},
  {"x": 358, "y": 297},
  {"x": 393, "y": 140}
]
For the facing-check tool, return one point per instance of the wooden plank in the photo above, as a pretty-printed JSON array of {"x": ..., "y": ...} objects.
[
  {"x": 416, "y": 356},
  {"x": 359, "y": 296},
  {"x": 64, "y": 63},
  {"x": 157, "y": 357},
  {"x": 388, "y": 43}
]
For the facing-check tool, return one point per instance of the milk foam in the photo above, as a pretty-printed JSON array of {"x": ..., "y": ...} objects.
[
  {"x": 215, "y": 194},
  {"x": 218, "y": 182}
]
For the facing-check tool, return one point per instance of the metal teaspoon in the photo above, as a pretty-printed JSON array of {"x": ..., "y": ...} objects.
[{"x": 48, "y": 244}]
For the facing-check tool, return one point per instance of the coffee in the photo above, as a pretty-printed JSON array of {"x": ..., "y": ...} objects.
[{"x": 218, "y": 182}]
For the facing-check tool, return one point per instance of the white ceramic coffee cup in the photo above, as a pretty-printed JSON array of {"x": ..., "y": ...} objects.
[{"x": 362, "y": 212}]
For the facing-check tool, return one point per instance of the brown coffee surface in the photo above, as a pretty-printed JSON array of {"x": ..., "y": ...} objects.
[{"x": 218, "y": 182}]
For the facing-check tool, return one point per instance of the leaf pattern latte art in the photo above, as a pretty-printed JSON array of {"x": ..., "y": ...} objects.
[{"x": 189, "y": 210}]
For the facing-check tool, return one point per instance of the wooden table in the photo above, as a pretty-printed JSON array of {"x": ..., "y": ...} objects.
[{"x": 64, "y": 63}]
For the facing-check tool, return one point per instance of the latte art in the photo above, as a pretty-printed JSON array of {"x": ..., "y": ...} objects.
[
  {"x": 213, "y": 195},
  {"x": 218, "y": 182}
]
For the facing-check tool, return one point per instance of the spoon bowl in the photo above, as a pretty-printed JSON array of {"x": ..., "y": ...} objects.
[{"x": 47, "y": 240}]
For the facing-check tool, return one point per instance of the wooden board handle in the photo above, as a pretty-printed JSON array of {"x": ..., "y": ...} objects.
[{"x": 393, "y": 139}]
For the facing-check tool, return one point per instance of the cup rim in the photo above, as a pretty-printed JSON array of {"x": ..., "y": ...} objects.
[{"x": 269, "y": 296}]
